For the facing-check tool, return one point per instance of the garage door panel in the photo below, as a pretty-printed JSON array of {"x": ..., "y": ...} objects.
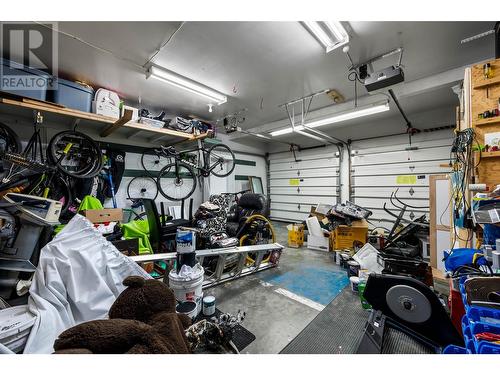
[
  {"x": 387, "y": 181},
  {"x": 311, "y": 191},
  {"x": 329, "y": 182},
  {"x": 296, "y": 207},
  {"x": 305, "y": 173},
  {"x": 401, "y": 156},
  {"x": 297, "y": 185},
  {"x": 312, "y": 164},
  {"x": 379, "y": 171},
  {"x": 289, "y": 216},
  {"x": 403, "y": 192},
  {"x": 375, "y": 203},
  {"x": 304, "y": 199},
  {"x": 399, "y": 169},
  {"x": 380, "y": 214}
]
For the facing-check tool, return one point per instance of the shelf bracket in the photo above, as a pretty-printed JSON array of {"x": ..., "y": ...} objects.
[{"x": 127, "y": 116}]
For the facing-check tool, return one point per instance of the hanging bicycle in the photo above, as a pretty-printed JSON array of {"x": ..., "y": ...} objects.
[
  {"x": 177, "y": 180},
  {"x": 70, "y": 154}
]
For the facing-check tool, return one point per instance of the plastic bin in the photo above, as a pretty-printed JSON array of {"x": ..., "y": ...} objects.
[
  {"x": 295, "y": 235},
  {"x": 453, "y": 349},
  {"x": 12, "y": 69},
  {"x": 73, "y": 95}
]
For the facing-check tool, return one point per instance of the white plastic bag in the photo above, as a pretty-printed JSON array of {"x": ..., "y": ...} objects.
[{"x": 78, "y": 278}]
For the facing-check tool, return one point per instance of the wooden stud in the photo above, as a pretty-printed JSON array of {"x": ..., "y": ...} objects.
[{"x": 127, "y": 116}]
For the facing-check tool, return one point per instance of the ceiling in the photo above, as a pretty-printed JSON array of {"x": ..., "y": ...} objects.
[{"x": 258, "y": 65}]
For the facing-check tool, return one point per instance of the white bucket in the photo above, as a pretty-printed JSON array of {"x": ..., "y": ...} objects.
[
  {"x": 354, "y": 283},
  {"x": 188, "y": 287},
  {"x": 15, "y": 327}
]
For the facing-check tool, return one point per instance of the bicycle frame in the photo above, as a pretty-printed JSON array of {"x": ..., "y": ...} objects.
[{"x": 205, "y": 169}]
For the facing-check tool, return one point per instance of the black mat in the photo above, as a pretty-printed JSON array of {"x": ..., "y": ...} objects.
[
  {"x": 338, "y": 328},
  {"x": 241, "y": 337}
]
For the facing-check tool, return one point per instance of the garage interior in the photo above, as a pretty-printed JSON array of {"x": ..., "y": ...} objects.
[{"x": 299, "y": 187}]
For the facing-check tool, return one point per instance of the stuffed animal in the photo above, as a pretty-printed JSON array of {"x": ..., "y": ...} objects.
[{"x": 142, "y": 320}]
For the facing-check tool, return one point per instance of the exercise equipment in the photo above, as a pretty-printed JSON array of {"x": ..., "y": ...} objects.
[{"x": 407, "y": 305}]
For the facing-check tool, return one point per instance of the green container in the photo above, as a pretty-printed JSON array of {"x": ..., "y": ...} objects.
[{"x": 361, "y": 290}]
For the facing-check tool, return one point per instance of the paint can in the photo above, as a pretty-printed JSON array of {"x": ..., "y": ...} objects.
[
  {"x": 189, "y": 308},
  {"x": 208, "y": 305},
  {"x": 354, "y": 280},
  {"x": 353, "y": 268},
  {"x": 186, "y": 241}
]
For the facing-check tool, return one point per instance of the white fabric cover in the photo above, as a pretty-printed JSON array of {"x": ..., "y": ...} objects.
[
  {"x": 78, "y": 278},
  {"x": 367, "y": 259}
]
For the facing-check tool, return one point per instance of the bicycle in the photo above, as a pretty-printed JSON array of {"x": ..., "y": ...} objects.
[
  {"x": 69, "y": 154},
  {"x": 177, "y": 180}
]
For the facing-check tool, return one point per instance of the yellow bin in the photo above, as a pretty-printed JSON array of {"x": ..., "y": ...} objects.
[{"x": 295, "y": 235}]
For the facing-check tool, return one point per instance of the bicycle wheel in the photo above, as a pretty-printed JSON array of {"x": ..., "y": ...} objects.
[
  {"x": 221, "y": 161},
  {"x": 56, "y": 188},
  {"x": 75, "y": 154},
  {"x": 176, "y": 181},
  {"x": 153, "y": 163},
  {"x": 142, "y": 187},
  {"x": 9, "y": 141}
]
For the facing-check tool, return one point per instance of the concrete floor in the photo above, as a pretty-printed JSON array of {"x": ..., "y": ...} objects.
[{"x": 275, "y": 319}]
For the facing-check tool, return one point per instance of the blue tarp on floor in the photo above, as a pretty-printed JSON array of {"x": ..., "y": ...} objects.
[{"x": 318, "y": 283}]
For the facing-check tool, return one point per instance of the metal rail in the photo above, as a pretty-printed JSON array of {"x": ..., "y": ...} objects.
[{"x": 235, "y": 255}]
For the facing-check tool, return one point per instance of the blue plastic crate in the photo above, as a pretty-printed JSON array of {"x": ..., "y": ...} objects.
[
  {"x": 11, "y": 69},
  {"x": 453, "y": 349},
  {"x": 73, "y": 95},
  {"x": 488, "y": 348},
  {"x": 483, "y": 315}
]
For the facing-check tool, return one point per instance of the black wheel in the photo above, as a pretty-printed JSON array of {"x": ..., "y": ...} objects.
[
  {"x": 75, "y": 154},
  {"x": 57, "y": 187},
  {"x": 142, "y": 187},
  {"x": 9, "y": 141},
  {"x": 176, "y": 181},
  {"x": 152, "y": 163},
  {"x": 221, "y": 159}
]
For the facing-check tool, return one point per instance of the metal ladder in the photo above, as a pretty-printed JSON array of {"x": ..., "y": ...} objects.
[{"x": 220, "y": 275}]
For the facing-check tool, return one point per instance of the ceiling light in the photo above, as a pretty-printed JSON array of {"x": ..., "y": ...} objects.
[
  {"x": 331, "y": 34},
  {"x": 187, "y": 84},
  {"x": 344, "y": 116}
]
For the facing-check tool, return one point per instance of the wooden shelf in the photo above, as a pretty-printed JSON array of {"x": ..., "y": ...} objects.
[
  {"x": 487, "y": 121},
  {"x": 489, "y": 154},
  {"x": 487, "y": 82},
  {"x": 112, "y": 124}
]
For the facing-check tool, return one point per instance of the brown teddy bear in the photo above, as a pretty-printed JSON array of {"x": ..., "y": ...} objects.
[{"x": 142, "y": 321}]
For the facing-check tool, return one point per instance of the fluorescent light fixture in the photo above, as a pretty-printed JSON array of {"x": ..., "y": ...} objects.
[
  {"x": 331, "y": 34},
  {"x": 187, "y": 84},
  {"x": 343, "y": 116}
]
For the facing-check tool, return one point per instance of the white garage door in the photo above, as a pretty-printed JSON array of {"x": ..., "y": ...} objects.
[
  {"x": 378, "y": 171},
  {"x": 296, "y": 185}
]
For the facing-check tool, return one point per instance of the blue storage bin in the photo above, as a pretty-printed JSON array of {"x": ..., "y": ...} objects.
[
  {"x": 453, "y": 349},
  {"x": 488, "y": 348},
  {"x": 11, "y": 68},
  {"x": 483, "y": 315},
  {"x": 73, "y": 95}
]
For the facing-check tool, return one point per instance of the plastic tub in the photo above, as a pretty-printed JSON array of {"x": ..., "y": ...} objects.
[
  {"x": 453, "y": 349},
  {"x": 188, "y": 288},
  {"x": 11, "y": 69},
  {"x": 73, "y": 95},
  {"x": 15, "y": 327}
]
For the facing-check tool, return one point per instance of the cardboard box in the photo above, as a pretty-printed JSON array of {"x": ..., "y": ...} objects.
[
  {"x": 318, "y": 243},
  {"x": 103, "y": 216},
  {"x": 345, "y": 237}
]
